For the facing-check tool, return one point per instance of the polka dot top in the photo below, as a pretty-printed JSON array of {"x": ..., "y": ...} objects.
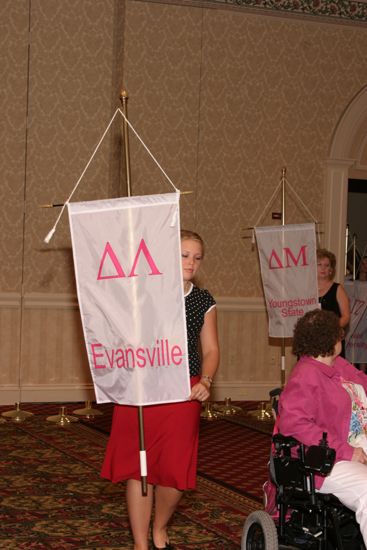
[{"x": 197, "y": 303}]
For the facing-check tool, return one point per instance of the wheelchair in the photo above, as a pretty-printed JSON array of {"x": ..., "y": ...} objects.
[{"x": 296, "y": 515}]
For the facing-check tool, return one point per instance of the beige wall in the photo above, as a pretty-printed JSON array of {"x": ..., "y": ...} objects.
[{"x": 223, "y": 98}]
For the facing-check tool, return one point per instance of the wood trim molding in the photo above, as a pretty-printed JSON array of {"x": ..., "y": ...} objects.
[
  {"x": 46, "y": 393},
  {"x": 39, "y": 300},
  {"x": 10, "y": 300},
  {"x": 237, "y": 390}
]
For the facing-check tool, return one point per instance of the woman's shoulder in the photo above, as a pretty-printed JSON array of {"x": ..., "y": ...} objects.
[
  {"x": 308, "y": 369},
  {"x": 202, "y": 291},
  {"x": 203, "y": 295}
]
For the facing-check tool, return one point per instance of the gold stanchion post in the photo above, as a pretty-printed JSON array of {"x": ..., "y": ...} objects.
[{"x": 264, "y": 411}]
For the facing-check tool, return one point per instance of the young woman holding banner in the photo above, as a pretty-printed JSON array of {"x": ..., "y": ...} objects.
[{"x": 171, "y": 430}]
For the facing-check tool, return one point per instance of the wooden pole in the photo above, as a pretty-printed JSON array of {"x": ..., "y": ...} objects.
[{"x": 125, "y": 133}]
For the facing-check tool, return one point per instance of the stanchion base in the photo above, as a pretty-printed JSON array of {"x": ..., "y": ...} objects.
[
  {"x": 62, "y": 419},
  {"x": 17, "y": 415},
  {"x": 209, "y": 413},
  {"x": 89, "y": 412},
  {"x": 263, "y": 413},
  {"x": 227, "y": 409}
]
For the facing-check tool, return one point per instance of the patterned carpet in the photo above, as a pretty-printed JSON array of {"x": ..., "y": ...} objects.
[
  {"x": 234, "y": 456},
  {"x": 52, "y": 496}
]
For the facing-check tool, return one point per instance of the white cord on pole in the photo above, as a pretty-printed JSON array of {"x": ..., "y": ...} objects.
[{"x": 51, "y": 233}]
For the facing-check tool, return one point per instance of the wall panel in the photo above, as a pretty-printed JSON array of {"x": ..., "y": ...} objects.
[
  {"x": 14, "y": 40},
  {"x": 9, "y": 345},
  {"x": 54, "y": 364},
  {"x": 224, "y": 98}
]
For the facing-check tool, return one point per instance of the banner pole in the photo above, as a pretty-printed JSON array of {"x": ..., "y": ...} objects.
[
  {"x": 282, "y": 359},
  {"x": 354, "y": 244},
  {"x": 125, "y": 132}
]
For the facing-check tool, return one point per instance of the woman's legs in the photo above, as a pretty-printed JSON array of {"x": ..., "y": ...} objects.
[
  {"x": 348, "y": 482},
  {"x": 140, "y": 511},
  {"x": 166, "y": 501}
]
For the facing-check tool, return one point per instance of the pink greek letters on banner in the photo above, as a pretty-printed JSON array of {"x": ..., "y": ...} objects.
[
  {"x": 129, "y": 282},
  {"x": 110, "y": 253},
  {"x": 289, "y": 274},
  {"x": 356, "y": 336}
]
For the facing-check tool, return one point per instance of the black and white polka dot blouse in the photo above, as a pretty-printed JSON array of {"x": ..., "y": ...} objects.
[{"x": 198, "y": 302}]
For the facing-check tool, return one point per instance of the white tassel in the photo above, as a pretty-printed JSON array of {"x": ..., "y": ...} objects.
[{"x": 49, "y": 235}]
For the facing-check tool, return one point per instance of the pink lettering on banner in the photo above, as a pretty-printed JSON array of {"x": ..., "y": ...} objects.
[
  {"x": 120, "y": 359},
  {"x": 119, "y": 271},
  {"x": 302, "y": 254},
  {"x": 275, "y": 261},
  {"x": 357, "y": 305},
  {"x": 96, "y": 355},
  {"x": 275, "y": 258},
  {"x": 293, "y": 307},
  {"x": 143, "y": 248},
  {"x": 110, "y": 253},
  {"x": 176, "y": 352},
  {"x": 162, "y": 354}
]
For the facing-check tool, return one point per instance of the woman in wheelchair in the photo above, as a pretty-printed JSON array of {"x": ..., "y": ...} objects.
[{"x": 325, "y": 393}]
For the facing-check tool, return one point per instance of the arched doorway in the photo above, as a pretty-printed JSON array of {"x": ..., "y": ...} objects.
[{"x": 347, "y": 159}]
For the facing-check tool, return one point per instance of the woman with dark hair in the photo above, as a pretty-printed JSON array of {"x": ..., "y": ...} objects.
[{"x": 325, "y": 393}]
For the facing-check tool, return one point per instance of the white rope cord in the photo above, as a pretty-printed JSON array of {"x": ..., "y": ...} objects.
[
  {"x": 51, "y": 233},
  {"x": 308, "y": 211},
  {"x": 268, "y": 205},
  {"x": 148, "y": 151}
]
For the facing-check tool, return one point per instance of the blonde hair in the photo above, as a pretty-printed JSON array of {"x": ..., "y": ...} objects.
[
  {"x": 192, "y": 236},
  {"x": 324, "y": 253}
]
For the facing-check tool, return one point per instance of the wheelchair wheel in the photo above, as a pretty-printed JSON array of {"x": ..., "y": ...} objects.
[{"x": 259, "y": 532}]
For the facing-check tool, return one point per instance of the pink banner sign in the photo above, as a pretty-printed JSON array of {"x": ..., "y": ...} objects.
[
  {"x": 356, "y": 336},
  {"x": 289, "y": 274},
  {"x": 128, "y": 273}
]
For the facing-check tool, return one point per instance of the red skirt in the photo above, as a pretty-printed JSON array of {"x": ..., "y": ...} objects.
[{"x": 171, "y": 434}]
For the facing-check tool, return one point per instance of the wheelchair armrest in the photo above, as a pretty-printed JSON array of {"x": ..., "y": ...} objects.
[
  {"x": 319, "y": 459},
  {"x": 284, "y": 441},
  {"x": 275, "y": 392}
]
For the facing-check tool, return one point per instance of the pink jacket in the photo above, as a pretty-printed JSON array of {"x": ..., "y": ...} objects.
[{"x": 314, "y": 401}]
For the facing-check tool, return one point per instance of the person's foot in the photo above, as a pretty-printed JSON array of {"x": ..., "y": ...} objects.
[{"x": 167, "y": 545}]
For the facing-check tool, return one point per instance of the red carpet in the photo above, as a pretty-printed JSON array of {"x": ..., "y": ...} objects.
[
  {"x": 234, "y": 456},
  {"x": 230, "y": 454},
  {"x": 52, "y": 496}
]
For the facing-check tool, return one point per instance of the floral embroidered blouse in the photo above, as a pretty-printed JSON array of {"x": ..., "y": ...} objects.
[{"x": 358, "y": 420}]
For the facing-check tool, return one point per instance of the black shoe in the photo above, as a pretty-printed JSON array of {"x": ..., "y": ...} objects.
[{"x": 167, "y": 546}]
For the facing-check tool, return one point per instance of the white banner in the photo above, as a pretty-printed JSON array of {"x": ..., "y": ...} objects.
[
  {"x": 356, "y": 337},
  {"x": 289, "y": 274},
  {"x": 129, "y": 281}
]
